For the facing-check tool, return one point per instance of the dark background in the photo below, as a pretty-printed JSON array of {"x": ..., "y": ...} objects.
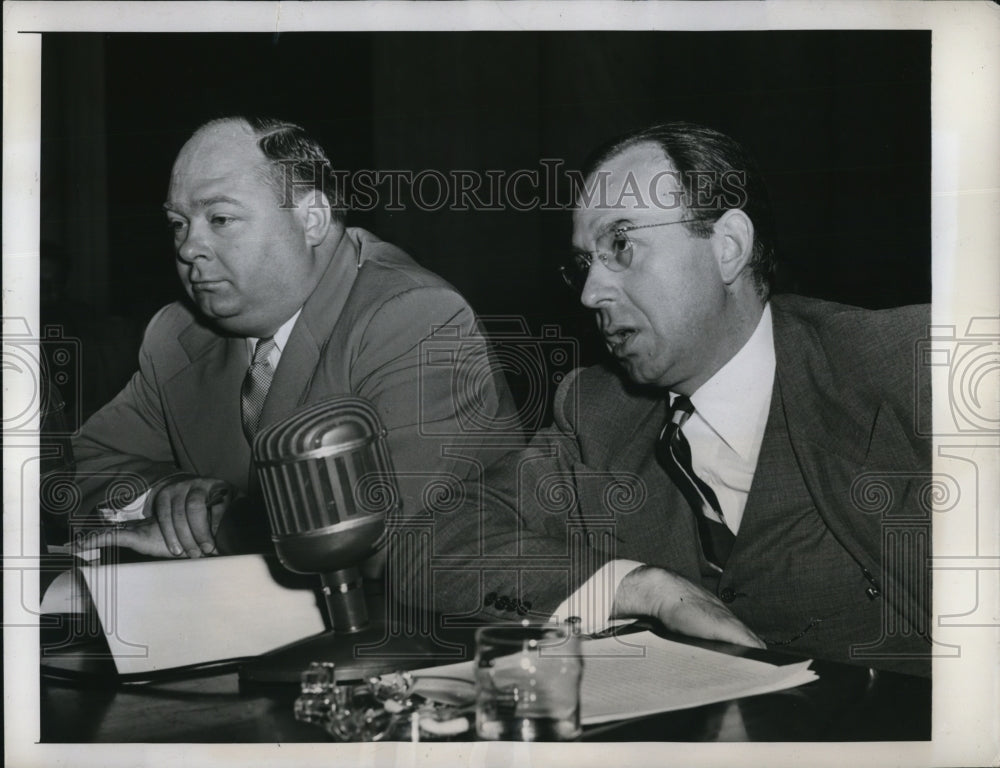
[{"x": 838, "y": 121}]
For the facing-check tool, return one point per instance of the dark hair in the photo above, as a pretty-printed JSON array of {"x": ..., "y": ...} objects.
[
  {"x": 716, "y": 175},
  {"x": 290, "y": 149}
]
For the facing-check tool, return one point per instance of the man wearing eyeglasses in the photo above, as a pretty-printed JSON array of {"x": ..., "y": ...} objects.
[{"x": 710, "y": 480}]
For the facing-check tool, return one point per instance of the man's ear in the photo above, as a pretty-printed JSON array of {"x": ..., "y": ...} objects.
[
  {"x": 733, "y": 245},
  {"x": 318, "y": 218}
]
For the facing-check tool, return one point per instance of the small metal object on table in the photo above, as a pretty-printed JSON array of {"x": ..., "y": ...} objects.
[{"x": 846, "y": 703}]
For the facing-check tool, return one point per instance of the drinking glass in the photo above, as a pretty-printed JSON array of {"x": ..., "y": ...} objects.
[{"x": 528, "y": 683}]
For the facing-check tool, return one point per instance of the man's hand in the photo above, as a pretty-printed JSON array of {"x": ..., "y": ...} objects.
[
  {"x": 680, "y": 606},
  {"x": 188, "y": 511},
  {"x": 186, "y": 515}
]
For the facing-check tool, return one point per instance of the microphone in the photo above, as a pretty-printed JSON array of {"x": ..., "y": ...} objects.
[
  {"x": 330, "y": 489},
  {"x": 328, "y": 485}
]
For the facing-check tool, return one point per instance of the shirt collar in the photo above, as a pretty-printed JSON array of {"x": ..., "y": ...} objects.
[
  {"x": 280, "y": 336},
  {"x": 735, "y": 402}
]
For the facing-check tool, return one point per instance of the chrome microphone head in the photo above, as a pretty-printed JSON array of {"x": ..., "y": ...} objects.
[{"x": 328, "y": 484}]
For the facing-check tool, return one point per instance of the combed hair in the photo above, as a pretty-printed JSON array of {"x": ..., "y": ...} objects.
[
  {"x": 290, "y": 149},
  {"x": 700, "y": 154}
]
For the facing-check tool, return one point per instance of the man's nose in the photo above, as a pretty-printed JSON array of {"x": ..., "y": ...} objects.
[
  {"x": 193, "y": 246},
  {"x": 599, "y": 287}
]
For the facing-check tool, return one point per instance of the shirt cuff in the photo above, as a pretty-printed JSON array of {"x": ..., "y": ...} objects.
[
  {"x": 594, "y": 600},
  {"x": 134, "y": 510}
]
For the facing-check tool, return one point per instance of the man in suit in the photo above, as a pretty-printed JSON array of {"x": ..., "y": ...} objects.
[
  {"x": 285, "y": 307},
  {"x": 718, "y": 479}
]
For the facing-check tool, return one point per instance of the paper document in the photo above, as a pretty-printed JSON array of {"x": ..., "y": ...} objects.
[
  {"x": 66, "y": 594},
  {"x": 641, "y": 674},
  {"x": 172, "y": 613}
]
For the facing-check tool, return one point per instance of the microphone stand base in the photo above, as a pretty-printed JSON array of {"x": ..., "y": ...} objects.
[{"x": 386, "y": 642}]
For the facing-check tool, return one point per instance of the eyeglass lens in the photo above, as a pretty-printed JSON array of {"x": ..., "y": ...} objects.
[{"x": 614, "y": 250}]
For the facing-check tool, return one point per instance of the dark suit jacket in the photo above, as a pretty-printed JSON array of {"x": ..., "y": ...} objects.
[
  {"x": 361, "y": 332},
  {"x": 588, "y": 489}
]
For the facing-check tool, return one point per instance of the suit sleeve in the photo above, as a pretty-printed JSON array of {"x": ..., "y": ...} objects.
[
  {"x": 123, "y": 449},
  {"x": 508, "y": 548},
  {"x": 409, "y": 364}
]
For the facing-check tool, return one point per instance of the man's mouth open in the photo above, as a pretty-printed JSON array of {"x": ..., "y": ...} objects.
[{"x": 618, "y": 339}]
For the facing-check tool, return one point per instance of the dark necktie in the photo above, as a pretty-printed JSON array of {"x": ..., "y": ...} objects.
[
  {"x": 255, "y": 386},
  {"x": 674, "y": 453}
]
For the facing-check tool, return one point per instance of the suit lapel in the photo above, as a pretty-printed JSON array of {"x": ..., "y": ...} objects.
[
  {"x": 840, "y": 444},
  {"x": 203, "y": 401},
  {"x": 819, "y": 425},
  {"x": 301, "y": 354},
  {"x": 778, "y": 486},
  {"x": 661, "y": 530},
  {"x": 832, "y": 443}
]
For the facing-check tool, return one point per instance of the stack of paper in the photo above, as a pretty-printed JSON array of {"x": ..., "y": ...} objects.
[
  {"x": 640, "y": 674},
  {"x": 172, "y": 613}
]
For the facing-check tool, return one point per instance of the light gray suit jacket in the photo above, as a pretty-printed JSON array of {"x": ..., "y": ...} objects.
[{"x": 361, "y": 332}]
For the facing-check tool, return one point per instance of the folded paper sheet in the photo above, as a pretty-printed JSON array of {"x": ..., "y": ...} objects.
[
  {"x": 160, "y": 615},
  {"x": 641, "y": 674}
]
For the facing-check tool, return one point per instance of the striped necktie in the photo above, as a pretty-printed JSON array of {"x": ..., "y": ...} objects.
[
  {"x": 674, "y": 454},
  {"x": 255, "y": 386}
]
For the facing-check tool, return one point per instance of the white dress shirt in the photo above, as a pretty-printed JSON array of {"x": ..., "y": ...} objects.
[
  {"x": 727, "y": 427},
  {"x": 135, "y": 510},
  {"x": 725, "y": 433}
]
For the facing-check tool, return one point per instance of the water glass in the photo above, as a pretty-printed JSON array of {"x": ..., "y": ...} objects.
[{"x": 528, "y": 683}]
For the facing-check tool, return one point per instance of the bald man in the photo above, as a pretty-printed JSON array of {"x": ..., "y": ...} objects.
[
  {"x": 712, "y": 475},
  {"x": 275, "y": 283}
]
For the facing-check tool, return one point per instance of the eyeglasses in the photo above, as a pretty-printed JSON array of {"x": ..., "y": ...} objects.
[{"x": 614, "y": 250}]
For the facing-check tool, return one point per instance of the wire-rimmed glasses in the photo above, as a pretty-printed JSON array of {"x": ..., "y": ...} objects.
[{"x": 614, "y": 250}]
